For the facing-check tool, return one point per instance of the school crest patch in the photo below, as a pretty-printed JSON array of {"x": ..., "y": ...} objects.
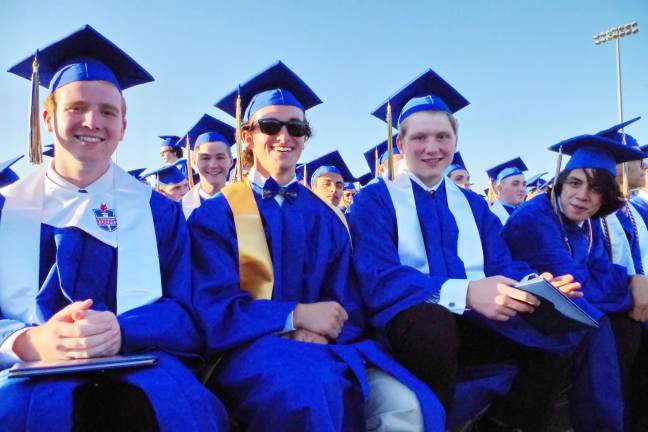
[{"x": 105, "y": 217}]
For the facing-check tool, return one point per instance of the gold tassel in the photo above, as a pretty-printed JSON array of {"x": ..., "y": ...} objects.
[
  {"x": 554, "y": 197},
  {"x": 189, "y": 170},
  {"x": 390, "y": 144},
  {"x": 305, "y": 179},
  {"x": 376, "y": 163},
  {"x": 491, "y": 193},
  {"x": 625, "y": 186},
  {"x": 239, "y": 146},
  {"x": 34, "y": 147},
  {"x": 624, "y": 183}
]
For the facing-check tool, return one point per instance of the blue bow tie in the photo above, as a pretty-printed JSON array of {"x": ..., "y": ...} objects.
[{"x": 271, "y": 188}]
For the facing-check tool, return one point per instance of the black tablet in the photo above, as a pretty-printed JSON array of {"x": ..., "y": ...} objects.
[{"x": 67, "y": 367}]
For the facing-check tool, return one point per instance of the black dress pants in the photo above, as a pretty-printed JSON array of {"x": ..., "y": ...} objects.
[
  {"x": 433, "y": 343},
  {"x": 108, "y": 404}
]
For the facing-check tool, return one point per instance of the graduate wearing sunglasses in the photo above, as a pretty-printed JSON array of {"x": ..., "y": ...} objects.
[{"x": 276, "y": 293}]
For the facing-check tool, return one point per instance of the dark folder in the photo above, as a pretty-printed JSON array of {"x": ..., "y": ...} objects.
[
  {"x": 557, "y": 313},
  {"x": 67, "y": 367}
]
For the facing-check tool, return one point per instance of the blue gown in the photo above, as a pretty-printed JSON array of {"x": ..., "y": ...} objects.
[
  {"x": 268, "y": 382},
  {"x": 390, "y": 287},
  {"x": 534, "y": 234},
  {"x": 75, "y": 265}
]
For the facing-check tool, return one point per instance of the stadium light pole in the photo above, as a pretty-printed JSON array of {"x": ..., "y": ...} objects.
[{"x": 615, "y": 34}]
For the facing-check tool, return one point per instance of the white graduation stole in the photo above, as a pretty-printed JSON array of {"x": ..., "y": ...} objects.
[
  {"x": 411, "y": 247},
  {"x": 34, "y": 200},
  {"x": 500, "y": 211},
  {"x": 621, "y": 251},
  {"x": 191, "y": 201},
  {"x": 642, "y": 236}
]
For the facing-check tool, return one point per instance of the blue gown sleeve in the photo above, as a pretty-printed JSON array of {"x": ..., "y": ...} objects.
[
  {"x": 166, "y": 324},
  {"x": 387, "y": 286},
  {"x": 227, "y": 315},
  {"x": 533, "y": 235},
  {"x": 341, "y": 285}
]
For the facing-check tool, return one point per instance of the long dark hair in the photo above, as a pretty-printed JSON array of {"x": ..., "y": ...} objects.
[{"x": 600, "y": 181}]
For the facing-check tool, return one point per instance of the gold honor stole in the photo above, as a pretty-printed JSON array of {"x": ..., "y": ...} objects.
[{"x": 255, "y": 265}]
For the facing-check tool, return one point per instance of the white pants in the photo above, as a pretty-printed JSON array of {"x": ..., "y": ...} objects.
[{"x": 392, "y": 406}]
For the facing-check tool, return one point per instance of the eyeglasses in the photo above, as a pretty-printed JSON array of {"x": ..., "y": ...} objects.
[{"x": 295, "y": 128}]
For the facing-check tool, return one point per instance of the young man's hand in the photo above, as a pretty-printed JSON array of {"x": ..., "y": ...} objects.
[
  {"x": 565, "y": 284},
  {"x": 323, "y": 318},
  {"x": 496, "y": 299},
  {"x": 75, "y": 331},
  {"x": 304, "y": 335}
]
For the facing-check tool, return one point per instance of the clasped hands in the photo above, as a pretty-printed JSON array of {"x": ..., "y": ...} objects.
[
  {"x": 317, "y": 322},
  {"x": 74, "y": 332}
]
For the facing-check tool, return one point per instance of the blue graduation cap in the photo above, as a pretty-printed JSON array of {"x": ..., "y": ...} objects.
[
  {"x": 457, "y": 164},
  {"x": 506, "y": 169},
  {"x": 595, "y": 151},
  {"x": 349, "y": 186},
  {"x": 7, "y": 175},
  {"x": 208, "y": 129},
  {"x": 137, "y": 173},
  {"x": 49, "y": 150},
  {"x": 614, "y": 133},
  {"x": 168, "y": 141},
  {"x": 167, "y": 175},
  {"x": 276, "y": 85},
  {"x": 536, "y": 182},
  {"x": 365, "y": 178},
  {"x": 329, "y": 163},
  {"x": 427, "y": 92},
  {"x": 85, "y": 55},
  {"x": 381, "y": 151},
  {"x": 299, "y": 171}
]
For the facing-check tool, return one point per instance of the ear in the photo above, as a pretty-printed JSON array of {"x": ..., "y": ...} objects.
[
  {"x": 123, "y": 131},
  {"x": 246, "y": 137},
  {"x": 49, "y": 121},
  {"x": 399, "y": 144}
]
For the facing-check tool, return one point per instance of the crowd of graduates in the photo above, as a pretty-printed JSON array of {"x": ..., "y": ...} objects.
[{"x": 278, "y": 295}]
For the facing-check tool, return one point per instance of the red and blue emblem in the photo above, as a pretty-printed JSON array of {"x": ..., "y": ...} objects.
[{"x": 105, "y": 217}]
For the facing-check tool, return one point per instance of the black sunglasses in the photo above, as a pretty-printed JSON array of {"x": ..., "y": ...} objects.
[{"x": 295, "y": 128}]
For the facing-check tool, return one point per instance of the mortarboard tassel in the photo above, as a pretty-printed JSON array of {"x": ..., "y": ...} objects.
[
  {"x": 376, "y": 163},
  {"x": 305, "y": 178},
  {"x": 554, "y": 198},
  {"x": 490, "y": 195},
  {"x": 625, "y": 186},
  {"x": 34, "y": 148},
  {"x": 554, "y": 204},
  {"x": 189, "y": 170},
  {"x": 390, "y": 144},
  {"x": 239, "y": 147}
]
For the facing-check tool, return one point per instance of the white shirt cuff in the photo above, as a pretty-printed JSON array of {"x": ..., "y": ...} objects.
[
  {"x": 7, "y": 355},
  {"x": 453, "y": 295},
  {"x": 289, "y": 326}
]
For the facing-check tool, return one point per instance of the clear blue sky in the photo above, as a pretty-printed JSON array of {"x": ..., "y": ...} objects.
[{"x": 529, "y": 68}]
